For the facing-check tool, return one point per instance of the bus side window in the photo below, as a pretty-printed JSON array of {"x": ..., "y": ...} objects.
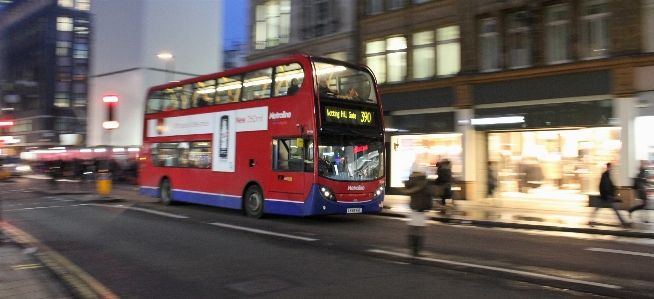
[
  {"x": 155, "y": 102},
  {"x": 229, "y": 89},
  {"x": 288, "y": 79},
  {"x": 257, "y": 84}
]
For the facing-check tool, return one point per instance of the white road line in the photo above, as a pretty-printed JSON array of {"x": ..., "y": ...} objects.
[
  {"x": 264, "y": 232},
  {"x": 523, "y": 273},
  {"x": 620, "y": 251},
  {"x": 140, "y": 209}
]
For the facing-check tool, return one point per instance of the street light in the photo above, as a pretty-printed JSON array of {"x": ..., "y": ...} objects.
[{"x": 168, "y": 57}]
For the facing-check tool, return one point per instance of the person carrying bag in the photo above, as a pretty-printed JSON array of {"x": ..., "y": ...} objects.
[{"x": 421, "y": 201}]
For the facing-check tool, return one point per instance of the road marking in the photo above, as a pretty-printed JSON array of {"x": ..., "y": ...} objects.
[
  {"x": 140, "y": 209},
  {"x": 620, "y": 251},
  {"x": 73, "y": 276},
  {"x": 264, "y": 232},
  {"x": 26, "y": 266},
  {"x": 518, "y": 272}
]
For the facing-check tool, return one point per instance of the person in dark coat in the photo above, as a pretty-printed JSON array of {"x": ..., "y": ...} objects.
[
  {"x": 607, "y": 193},
  {"x": 421, "y": 201},
  {"x": 640, "y": 185},
  {"x": 293, "y": 88},
  {"x": 444, "y": 179}
]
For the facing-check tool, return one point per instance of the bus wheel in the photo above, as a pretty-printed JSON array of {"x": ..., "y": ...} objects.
[
  {"x": 253, "y": 203},
  {"x": 166, "y": 194}
]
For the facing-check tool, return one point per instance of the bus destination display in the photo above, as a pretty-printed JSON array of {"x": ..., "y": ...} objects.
[{"x": 349, "y": 116}]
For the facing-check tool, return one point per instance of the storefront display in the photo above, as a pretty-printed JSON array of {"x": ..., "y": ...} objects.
[
  {"x": 421, "y": 153},
  {"x": 552, "y": 163}
]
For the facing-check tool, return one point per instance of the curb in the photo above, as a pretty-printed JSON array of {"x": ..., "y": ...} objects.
[{"x": 524, "y": 226}]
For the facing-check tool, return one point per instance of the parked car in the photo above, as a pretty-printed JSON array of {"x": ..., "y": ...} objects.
[{"x": 14, "y": 166}]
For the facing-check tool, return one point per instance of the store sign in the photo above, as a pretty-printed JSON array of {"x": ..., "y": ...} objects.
[{"x": 349, "y": 116}]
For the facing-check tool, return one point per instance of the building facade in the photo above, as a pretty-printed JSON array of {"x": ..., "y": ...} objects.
[
  {"x": 547, "y": 91},
  {"x": 317, "y": 27},
  {"x": 44, "y": 66},
  {"x": 129, "y": 36},
  {"x": 58, "y": 58}
]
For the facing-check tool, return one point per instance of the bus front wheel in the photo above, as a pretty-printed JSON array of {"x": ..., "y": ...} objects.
[
  {"x": 166, "y": 194},
  {"x": 253, "y": 203}
]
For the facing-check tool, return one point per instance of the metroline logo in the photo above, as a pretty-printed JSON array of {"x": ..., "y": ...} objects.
[
  {"x": 359, "y": 188},
  {"x": 278, "y": 115}
]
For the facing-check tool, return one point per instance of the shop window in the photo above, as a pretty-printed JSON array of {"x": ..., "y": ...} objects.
[
  {"x": 489, "y": 45},
  {"x": 557, "y": 33},
  {"x": 595, "y": 29},
  {"x": 62, "y": 99},
  {"x": 448, "y": 51},
  {"x": 63, "y": 48},
  {"x": 423, "y": 54},
  {"x": 65, "y": 3}
]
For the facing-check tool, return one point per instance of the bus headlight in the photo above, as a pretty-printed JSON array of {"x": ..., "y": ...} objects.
[
  {"x": 327, "y": 193},
  {"x": 379, "y": 191}
]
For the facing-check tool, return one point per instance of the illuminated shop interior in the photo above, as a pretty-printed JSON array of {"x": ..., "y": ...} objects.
[
  {"x": 565, "y": 164},
  {"x": 421, "y": 153}
]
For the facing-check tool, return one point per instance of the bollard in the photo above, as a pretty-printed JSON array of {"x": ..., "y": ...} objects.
[{"x": 103, "y": 182}]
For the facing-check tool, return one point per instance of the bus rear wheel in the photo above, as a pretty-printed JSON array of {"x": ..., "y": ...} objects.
[
  {"x": 165, "y": 192},
  {"x": 253, "y": 202}
]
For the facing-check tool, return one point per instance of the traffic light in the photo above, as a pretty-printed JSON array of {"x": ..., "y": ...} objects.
[{"x": 111, "y": 101}]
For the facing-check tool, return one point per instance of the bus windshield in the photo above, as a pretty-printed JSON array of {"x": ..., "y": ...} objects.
[
  {"x": 350, "y": 158},
  {"x": 341, "y": 82}
]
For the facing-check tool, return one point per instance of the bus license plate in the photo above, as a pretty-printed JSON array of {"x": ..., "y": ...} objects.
[{"x": 354, "y": 210}]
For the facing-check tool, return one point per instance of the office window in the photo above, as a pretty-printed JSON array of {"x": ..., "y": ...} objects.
[
  {"x": 595, "y": 29},
  {"x": 423, "y": 54},
  {"x": 519, "y": 40},
  {"x": 396, "y": 59},
  {"x": 273, "y": 23},
  {"x": 376, "y": 59},
  {"x": 80, "y": 51},
  {"x": 557, "y": 33},
  {"x": 337, "y": 55},
  {"x": 63, "y": 48},
  {"x": 374, "y": 6},
  {"x": 648, "y": 22},
  {"x": 420, "y": 1},
  {"x": 66, "y": 3},
  {"x": 394, "y": 4},
  {"x": 64, "y": 24},
  {"x": 489, "y": 45},
  {"x": 83, "y": 4},
  {"x": 62, "y": 99},
  {"x": 448, "y": 51}
]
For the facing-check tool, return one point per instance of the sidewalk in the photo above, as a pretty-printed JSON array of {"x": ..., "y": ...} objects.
[
  {"x": 23, "y": 276},
  {"x": 546, "y": 215}
]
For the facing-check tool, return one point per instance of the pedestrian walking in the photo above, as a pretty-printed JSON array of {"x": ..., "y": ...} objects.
[
  {"x": 607, "y": 194},
  {"x": 640, "y": 185},
  {"x": 421, "y": 201},
  {"x": 444, "y": 180}
]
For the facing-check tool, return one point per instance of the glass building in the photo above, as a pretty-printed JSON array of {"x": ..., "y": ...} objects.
[{"x": 44, "y": 66}]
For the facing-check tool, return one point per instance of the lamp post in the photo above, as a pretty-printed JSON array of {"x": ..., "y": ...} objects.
[{"x": 167, "y": 57}]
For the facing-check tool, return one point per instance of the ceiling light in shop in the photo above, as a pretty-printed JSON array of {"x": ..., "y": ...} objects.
[{"x": 498, "y": 120}]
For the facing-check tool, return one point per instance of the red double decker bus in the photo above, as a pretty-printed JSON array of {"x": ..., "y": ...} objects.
[{"x": 300, "y": 136}]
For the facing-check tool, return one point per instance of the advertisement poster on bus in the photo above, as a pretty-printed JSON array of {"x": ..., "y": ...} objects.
[{"x": 224, "y": 141}]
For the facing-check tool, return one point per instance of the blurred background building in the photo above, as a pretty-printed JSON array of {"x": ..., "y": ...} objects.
[
  {"x": 58, "y": 58},
  {"x": 548, "y": 90}
]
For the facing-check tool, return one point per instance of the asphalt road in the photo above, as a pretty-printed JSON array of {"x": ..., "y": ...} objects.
[{"x": 146, "y": 250}]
